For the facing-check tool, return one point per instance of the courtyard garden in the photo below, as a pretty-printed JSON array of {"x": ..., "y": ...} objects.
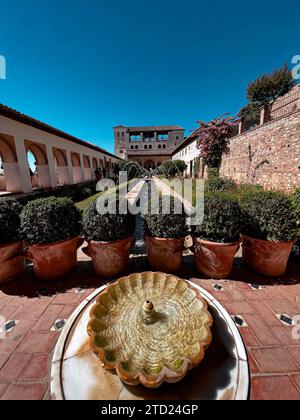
[{"x": 244, "y": 254}]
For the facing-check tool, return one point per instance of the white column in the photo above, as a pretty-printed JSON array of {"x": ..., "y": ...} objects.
[
  {"x": 70, "y": 167},
  {"x": 24, "y": 172},
  {"x": 51, "y": 163}
]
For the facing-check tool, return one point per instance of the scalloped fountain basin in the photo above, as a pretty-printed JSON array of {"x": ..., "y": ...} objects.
[{"x": 77, "y": 368}]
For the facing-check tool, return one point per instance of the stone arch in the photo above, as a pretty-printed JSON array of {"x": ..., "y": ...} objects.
[
  {"x": 77, "y": 171},
  {"x": 6, "y": 151},
  {"x": 95, "y": 164},
  {"x": 88, "y": 171},
  {"x": 149, "y": 164},
  {"x": 86, "y": 162},
  {"x": 101, "y": 164},
  {"x": 75, "y": 160},
  {"x": 60, "y": 157},
  {"x": 38, "y": 153},
  {"x": 41, "y": 177},
  {"x": 61, "y": 166}
]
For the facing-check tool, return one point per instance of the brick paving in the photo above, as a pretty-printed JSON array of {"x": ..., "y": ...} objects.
[{"x": 274, "y": 355}]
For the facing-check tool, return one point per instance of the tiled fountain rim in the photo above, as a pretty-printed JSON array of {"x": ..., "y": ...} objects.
[{"x": 243, "y": 390}]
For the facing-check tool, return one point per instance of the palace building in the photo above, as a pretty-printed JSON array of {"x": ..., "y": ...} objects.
[{"x": 149, "y": 146}]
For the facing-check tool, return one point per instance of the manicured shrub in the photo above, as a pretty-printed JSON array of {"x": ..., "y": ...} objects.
[
  {"x": 165, "y": 223},
  {"x": 10, "y": 211},
  {"x": 222, "y": 220},
  {"x": 107, "y": 227},
  {"x": 133, "y": 169},
  {"x": 296, "y": 205},
  {"x": 171, "y": 168},
  {"x": 268, "y": 216},
  {"x": 76, "y": 192},
  {"x": 50, "y": 220},
  {"x": 218, "y": 184}
]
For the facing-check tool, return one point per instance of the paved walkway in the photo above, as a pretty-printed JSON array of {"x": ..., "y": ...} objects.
[{"x": 274, "y": 356}]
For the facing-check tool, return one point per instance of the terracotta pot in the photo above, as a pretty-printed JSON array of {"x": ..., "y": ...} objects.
[
  {"x": 165, "y": 254},
  {"x": 214, "y": 259},
  {"x": 12, "y": 262},
  {"x": 51, "y": 261},
  {"x": 266, "y": 257},
  {"x": 109, "y": 258}
]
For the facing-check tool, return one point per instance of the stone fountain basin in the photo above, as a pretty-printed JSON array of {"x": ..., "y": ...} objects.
[{"x": 78, "y": 375}]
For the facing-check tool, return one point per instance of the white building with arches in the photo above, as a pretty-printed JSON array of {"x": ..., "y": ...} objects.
[{"x": 61, "y": 159}]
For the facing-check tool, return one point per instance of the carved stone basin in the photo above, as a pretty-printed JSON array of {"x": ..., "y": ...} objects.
[
  {"x": 77, "y": 373},
  {"x": 150, "y": 328}
]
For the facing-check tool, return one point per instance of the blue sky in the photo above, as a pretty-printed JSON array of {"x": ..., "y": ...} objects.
[{"x": 86, "y": 66}]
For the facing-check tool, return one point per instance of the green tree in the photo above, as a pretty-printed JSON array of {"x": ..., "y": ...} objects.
[
  {"x": 264, "y": 91},
  {"x": 269, "y": 87}
]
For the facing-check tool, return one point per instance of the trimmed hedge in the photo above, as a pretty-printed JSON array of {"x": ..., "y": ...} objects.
[
  {"x": 168, "y": 225},
  {"x": 50, "y": 220},
  {"x": 76, "y": 192},
  {"x": 268, "y": 216},
  {"x": 107, "y": 227},
  {"x": 222, "y": 220},
  {"x": 10, "y": 211},
  {"x": 217, "y": 184}
]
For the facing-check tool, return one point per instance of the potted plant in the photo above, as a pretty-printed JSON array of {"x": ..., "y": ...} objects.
[
  {"x": 218, "y": 238},
  {"x": 51, "y": 229},
  {"x": 166, "y": 232},
  {"x": 296, "y": 204},
  {"x": 110, "y": 237},
  {"x": 269, "y": 232},
  {"x": 12, "y": 262}
]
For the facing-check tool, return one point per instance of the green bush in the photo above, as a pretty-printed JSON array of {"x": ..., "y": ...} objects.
[
  {"x": 217, "y": 184},
  {"x": 268, "y": 216},
  {"x": 107, "y": 227},
  {"x": 165, "y": 223},
  {"x": 10, "y": 211},
  {"x": 249, "y": 189},
  {"x": 171, "y": 168},
  {"x": 222, "y": 220},
  {"x": 50, "y": 220},
  {"x": 133, "y": 169},
  {"x": 296, "y": 205},
  {"x": 76, "y": 192}
]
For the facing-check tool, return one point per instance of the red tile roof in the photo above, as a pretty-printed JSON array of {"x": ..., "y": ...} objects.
[{"x": 12, "y": 114}]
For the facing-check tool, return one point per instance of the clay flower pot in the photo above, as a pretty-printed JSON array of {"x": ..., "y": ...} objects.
[
  {"x": 165, "y": 254},
  {"x": 109, "y": 258},
  {"x": 51, "y": 261},
  {"x": 266, "y": 257},
  {"x": 12, "y": 262},
  {"x": 214, "y": 259}
]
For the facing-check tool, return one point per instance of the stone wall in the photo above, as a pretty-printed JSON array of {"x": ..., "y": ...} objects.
[{"x": 268, "y": 155}]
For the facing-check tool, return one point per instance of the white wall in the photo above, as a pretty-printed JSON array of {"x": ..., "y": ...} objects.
[
  {"x": 20, "y": 181},
  {"x": 188, "y": 154}
]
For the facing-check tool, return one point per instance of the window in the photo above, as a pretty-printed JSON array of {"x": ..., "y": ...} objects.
[
  {"x": 136, "y": 147},
  {"x": 135, "y": 137},
  {"x": 132, "y": 147},
  {"x": 163, "y": 137},
  {"x": 145, "y": 147},
  {"x": 118, "y": 135},
  {"x": 164, "y": 146},
  {"x": 121, "y": 151},
  {"x": 150, "y": 147},
  {"x": 159, "y": 146},
  {"x": 123, "y": 134}
]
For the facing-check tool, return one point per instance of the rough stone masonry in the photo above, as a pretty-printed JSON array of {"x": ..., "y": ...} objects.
[{"x": 268, "y": 155}]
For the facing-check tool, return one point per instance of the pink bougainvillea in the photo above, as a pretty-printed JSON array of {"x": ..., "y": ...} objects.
[{"x": 213, "y": 139}]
